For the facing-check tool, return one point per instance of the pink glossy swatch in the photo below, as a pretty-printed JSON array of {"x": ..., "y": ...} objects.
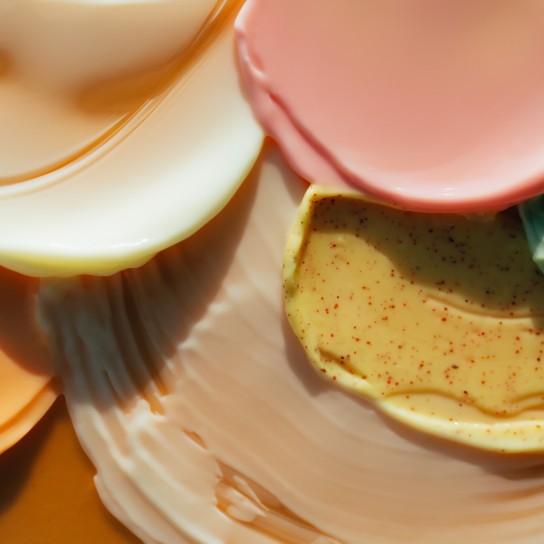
[{"x": 431, "y": 104}]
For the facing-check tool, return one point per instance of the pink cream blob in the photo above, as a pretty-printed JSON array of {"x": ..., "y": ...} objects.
[{"x": 434, "y": 105}]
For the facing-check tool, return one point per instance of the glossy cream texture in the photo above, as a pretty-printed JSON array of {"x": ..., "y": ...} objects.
[
  {"x": 435, "y": 318},
  {"x": 206, "y": 423},
  {"x": 98, "y": 190},
  {"x": 72, "y": 69},
  {"x": 433, "y": 105}
]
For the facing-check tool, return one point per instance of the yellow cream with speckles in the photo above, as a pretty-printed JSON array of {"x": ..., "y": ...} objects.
[{"x": 436, "y": 319}]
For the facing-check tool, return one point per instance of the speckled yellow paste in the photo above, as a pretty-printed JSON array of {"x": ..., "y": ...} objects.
[{"x": 437, "y": 319}]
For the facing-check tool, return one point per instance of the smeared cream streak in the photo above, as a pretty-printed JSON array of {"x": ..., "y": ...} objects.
[
  {"x": 163, "y": 174},
  {"x": 70, "y": 70},
  {"x": 206, "y": 424}
]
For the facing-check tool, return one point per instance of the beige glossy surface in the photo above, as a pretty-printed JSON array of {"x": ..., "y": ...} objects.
[
  {"x": 71, "y": 70},
  {"x": 430, "y": 104},
  {"x": 206, "y": 423}
]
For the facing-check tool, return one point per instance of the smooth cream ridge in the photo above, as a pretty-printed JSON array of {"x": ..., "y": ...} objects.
[
  {"x": 206, "y": 423},
  {"x": 129, "y": 194}
]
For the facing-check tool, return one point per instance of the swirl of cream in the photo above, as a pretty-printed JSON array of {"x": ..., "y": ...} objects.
[
  {"x": 27, "y": 389},
  {"x": 205, "y": 423},
  {"x": 126, "y": 130}
]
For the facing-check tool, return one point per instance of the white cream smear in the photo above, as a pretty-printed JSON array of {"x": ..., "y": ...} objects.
[
  {"x": 205, "y": 423},
  {"x": 86, "y": 186}
]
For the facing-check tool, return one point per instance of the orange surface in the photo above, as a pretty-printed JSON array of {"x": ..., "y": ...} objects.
[
  {"x": 47, "y": 495},
  {"x": 26, "y": 388}
]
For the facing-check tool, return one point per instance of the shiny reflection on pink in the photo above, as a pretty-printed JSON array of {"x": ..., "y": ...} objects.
[{"x": 432, "y": 105}]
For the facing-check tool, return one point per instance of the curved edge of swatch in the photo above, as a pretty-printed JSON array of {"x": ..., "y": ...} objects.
[
  {"x": 202, "y": 136},
  {"x": 317, "y": 162},
  {"x": 18, "y": 423}
]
